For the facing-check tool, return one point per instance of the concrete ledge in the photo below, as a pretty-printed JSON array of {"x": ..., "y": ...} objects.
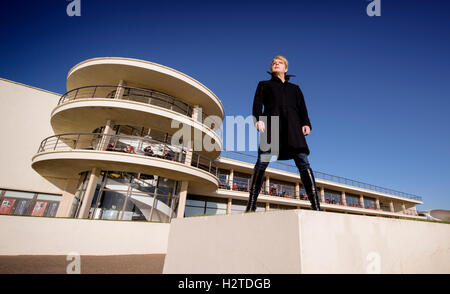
[
  {"x": 59, "y": 236},
  {"x": 301, "y": 241}
]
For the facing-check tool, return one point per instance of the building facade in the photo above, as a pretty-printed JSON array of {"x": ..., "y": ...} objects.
[{"x": 108, "y": 149}]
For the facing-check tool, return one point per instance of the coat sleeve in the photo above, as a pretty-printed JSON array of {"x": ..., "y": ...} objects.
[
  {"x": 303, "y": 112},
  {"x": 258, "y": 103}
]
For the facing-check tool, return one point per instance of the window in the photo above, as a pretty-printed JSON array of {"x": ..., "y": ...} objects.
[
  {"x": 198, "y": 205},
  {"x": 352, "y": 200},
  {"x": 281, "y": 189},
  {"x": 281, "y": 207},
  {"x": 241, "y": 182},
  {"x": 332, "y": 197},
  {"x": 133, "y": 196},
  {"x": 369, "y": 203},
  {"x": 28, "y": 203},
  {"x": 239, "y": 206},
  {"x": 224, "y": 177}
]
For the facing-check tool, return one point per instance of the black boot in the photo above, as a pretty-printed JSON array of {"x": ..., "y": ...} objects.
[
  {"x": 255, "y": 188},
  {"x": 309, "y": 182}
]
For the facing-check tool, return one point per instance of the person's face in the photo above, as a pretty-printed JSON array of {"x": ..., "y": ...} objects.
[{"x": 278, "y": 66}]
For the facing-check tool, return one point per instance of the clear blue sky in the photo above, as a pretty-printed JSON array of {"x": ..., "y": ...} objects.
[{"x": 376, "y": 88}]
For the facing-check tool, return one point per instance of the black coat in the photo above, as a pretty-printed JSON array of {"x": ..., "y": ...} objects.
[{"x": 285, "y": 100}]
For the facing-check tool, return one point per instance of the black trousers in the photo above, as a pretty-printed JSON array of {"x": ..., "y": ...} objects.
[{"x": 300, "y": 159}]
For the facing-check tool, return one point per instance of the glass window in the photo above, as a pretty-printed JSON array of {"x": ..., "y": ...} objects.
[
  {"x": 21, "y": 206},
  {"x": 19, "y": 194},
  {"x": 332, "y": 197},
  {"x": 196, "y": 203},
  {"x": 281, "y": 207},
  {"x": 240, "y": 183},
  {"x": 223, "y": 180},
  {"x": 281, "y": 188},
  {"x": 165, "y": 186},
  {"x": 130, "y": 196},
  {"x": 52, "y": 208},
  {"x": 193, "y": 211},
  {"x": 7, "y": 205},
  {"x": 138, "y": 207},
  {"x": 39, "y": 208},
  {"x": 111, "y": 204},
  {"x": 385, "y": 207},
  {"x": 239, "y": 206},
  {"x": 118, "y": 180},
  {"x": 216, "y": 205},
  {"x": 352, "y": 200},
  {"x": 145, "y": 183},
  {"x": 215, "y": 211},
  {"x": 49, "y": 197},
  {"x": 369, "y": 202}
]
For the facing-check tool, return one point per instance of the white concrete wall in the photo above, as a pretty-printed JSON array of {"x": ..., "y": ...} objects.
[
  {"x": 58, "y": 236},
  {"x": 25, "y": 122},
  {"x": 304, "y": 241}
]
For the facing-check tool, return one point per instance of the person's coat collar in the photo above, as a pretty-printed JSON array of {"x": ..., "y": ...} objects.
[{"x": 275, "y": 78}]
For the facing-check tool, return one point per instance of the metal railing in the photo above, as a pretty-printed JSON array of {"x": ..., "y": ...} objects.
[
  {"x": 131, "y": 94},
  {"x": 243, "y": 186},
  {"x": 324, "y": 176},
  {"x": 204, "y": 163},
  {"x": 125, "y": 144}
]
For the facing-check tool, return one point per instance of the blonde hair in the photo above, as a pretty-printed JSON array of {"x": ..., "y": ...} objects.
[{"x": 280, "y": 58}]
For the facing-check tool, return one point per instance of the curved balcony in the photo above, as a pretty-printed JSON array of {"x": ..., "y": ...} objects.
[
  {"x": 144, "y": 74},
  {"x": 141, "y": 95},
  {"x": 67, "y": 155},
  {"x": 86, "y": 108}
]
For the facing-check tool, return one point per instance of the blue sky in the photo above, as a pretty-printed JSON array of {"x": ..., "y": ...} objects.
[{"x": 376, "y": 88}]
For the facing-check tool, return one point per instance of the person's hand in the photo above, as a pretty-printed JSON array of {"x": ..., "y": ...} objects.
[
  {"x": 260, "y": 126},
  {"x": 306, "y": 130}
]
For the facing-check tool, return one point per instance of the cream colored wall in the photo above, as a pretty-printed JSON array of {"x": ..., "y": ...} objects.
[
  {"x": 305, "y": 241},
  {"x": 60, "y": 236},
  {"x": 25, "y": 122}
]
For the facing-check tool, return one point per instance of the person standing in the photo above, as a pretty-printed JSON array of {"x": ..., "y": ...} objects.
[{"x": 281, "y": 98}]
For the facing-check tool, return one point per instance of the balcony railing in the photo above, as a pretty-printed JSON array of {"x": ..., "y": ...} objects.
[
  {"x": 131, "y": 94},
  {"x": 243, "y": 186},
  {"x": 125, "y": 144},
  {"x": 293, "y": 169},
  {"x": 204, "y": 163}
]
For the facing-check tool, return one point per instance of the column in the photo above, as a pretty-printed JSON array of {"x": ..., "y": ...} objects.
[
  {"x": 120, "y": 90},
  {"x": 322, "y": 194},
  {"x": 267, "y": 206},
  {"x": 89, "y": 194},
  {"x": 267, "y": 184},
  {"x": 230, "y": 181},
  {"x": 198, "y": 138},
  {"x": 182, "y": 199},
  {"x": 229, "y": 206},
  {"x": 391, "y": 206},
  {"x": 196, "y": 113},
  {"x": 344, "y": 201},
  {"x": 68, "y": 195},
  {"x": 189, "y": 154},
  {"x": 403, "y": 208},
  {"x": 195, "y": 143},
  {"x": 107, "y": 135},
  {"x": 297, "y": 190},
  {"x": 377, "y": 203},
  {"x": 361, "y": 201}
]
